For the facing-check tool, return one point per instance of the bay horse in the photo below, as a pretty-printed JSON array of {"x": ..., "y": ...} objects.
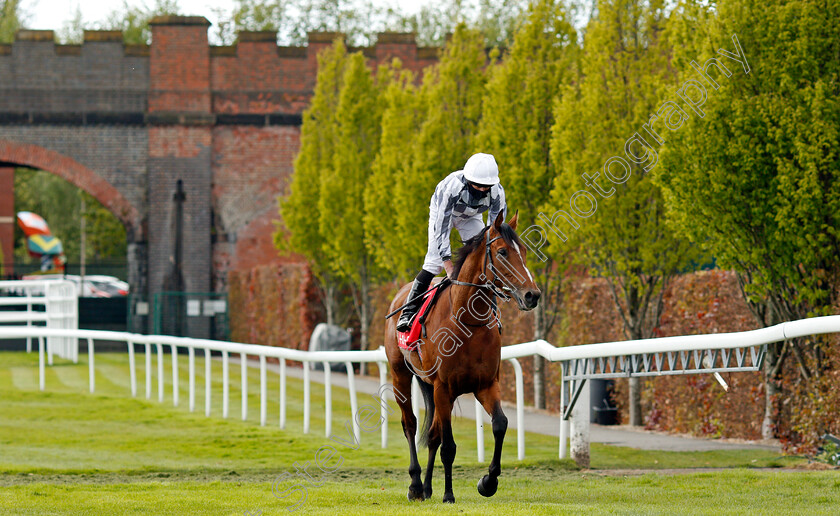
[{"x": 463, "y": 353}]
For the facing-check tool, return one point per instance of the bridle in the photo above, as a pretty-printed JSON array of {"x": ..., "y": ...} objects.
[
  {"x": 497, "y": 290},
  {"x": 502, "y": 291}
]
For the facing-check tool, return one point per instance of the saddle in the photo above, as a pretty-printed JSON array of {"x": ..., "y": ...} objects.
[{"x": 408, "y": 340}]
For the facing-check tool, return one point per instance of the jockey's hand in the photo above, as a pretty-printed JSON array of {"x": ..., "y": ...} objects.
[{"x": 447, "y": 265}]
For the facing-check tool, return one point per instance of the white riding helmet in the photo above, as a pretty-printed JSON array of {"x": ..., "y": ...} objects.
[{"x": 482, "y": 169}]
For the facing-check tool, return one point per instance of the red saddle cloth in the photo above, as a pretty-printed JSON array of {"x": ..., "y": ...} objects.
[{"x": 408, "y": 339}]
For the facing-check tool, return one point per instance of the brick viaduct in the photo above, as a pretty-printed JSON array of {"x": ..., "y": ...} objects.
[{"x": 125, "y": 122}]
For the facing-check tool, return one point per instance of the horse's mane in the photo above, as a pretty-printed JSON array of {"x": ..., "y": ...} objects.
[{"x": 507, "y": 232}]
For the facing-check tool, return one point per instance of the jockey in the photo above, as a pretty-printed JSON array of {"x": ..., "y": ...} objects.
[{"x": 459, "y": 201}]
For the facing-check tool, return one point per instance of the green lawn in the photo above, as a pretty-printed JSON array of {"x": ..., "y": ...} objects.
[{"x": 66, "y": 451}]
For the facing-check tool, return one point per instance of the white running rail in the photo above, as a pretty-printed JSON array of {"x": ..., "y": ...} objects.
[
  {"x": 159, "y": 344},
  {"x": 19, "y": 302}
]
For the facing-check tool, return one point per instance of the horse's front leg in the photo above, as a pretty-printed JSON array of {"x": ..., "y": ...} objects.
[
  {"x": 443, "y": 421},
  {"x": 409, "y": 424},
  {"x": 490, "y": 399}
]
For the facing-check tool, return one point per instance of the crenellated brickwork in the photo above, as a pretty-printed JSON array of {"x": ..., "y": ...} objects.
[{"x": 126, "y": 122}]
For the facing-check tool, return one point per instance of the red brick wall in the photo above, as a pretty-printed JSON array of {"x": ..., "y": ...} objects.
[
  {"x": 136, "y": 119},
  {"x": 179, "y": 68}
]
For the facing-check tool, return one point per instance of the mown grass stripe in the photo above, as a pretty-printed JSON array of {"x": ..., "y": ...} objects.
[
  {"x": 72, "y": 377},
  {"x": 25, "y": 378}
]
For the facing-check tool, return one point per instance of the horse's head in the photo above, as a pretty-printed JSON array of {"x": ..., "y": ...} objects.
[{"x": 507, "y": 263}]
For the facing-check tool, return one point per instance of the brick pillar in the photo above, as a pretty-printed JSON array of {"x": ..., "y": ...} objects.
[
  {"x": 7, "y": 218},
  {"x": 180, "y": 140}
]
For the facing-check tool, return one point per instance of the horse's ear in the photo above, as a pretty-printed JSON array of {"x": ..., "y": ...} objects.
[
  {"x": 514, "y": 220},
  {"x": 500, "y": 219}
]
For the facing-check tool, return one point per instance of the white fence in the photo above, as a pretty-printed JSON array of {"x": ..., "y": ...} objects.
[
  {"x": 58, "y": 299},
  {"x": 157, "y": 345}
]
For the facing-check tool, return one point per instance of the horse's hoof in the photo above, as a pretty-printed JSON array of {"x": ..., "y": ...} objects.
[
  {"x": 449, "y": 498},
  {"x": 427, "y": 493},
  {"x": 487, "y": 485},
  {"x": 415, "y": 494}
]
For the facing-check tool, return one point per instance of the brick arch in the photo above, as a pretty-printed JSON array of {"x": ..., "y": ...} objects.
[{"x": 71, "y": 170}]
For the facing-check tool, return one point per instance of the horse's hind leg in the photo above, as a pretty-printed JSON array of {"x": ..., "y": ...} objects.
[
  {"x": 409, "y": 423},
  {"x": 490, "y": 399},
  {"x": 433, "y": 438}
]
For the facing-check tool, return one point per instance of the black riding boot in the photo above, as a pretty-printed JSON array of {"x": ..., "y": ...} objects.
[{"x": 421, "y": 284}]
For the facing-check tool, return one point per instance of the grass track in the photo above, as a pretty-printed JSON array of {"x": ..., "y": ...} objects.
[{"x": 66, "y": 451}]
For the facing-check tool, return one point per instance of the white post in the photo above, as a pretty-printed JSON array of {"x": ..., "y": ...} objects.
[
  {"x": 132, "y": 369},
  {"x": 191, "y": 354},
  {"x": 306, "y": 397},
  {"x": 207, "y": 382},
  {"x": 565, "y": 388},
  {"x": 383, "y": 378},
  {"x": 520, "y": 409},
  {"x": 327, "y": 399},
  {"x": 354, "y": 404},
  {"x": 479, "y": 430},
  {"x": 160, "y": 371},
  {"x": 415, "y": 405},
  {"x": 28, "y": 293},
  {"x": 580, "y": 428},
  {"x": 49, "y": 353},
  {"x": 91, "y": 375},
  {"x": 147, "y": 348},
  {"x": 41, "y": 371},
  {"x": 225, "y": 385},
  {"x": 282, "y": 393},
  {"x": 243, "y": 370},
  {"x": 263, "y": 392},
  {"x": 175, "y": 386}
]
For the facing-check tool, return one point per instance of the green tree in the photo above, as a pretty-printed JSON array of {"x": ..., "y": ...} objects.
[
  {"x": 299, "y": 210},
  {"x": 341, "y": 206},
  {"x": 73, "y": 30},
  {"x": 516, "y": 128},
  {"x": 9, "y": 20},
  {"x": 401, "y": 120},
  {"x": 359, "y": 20},
  {"x": 59, "y": 203},
  {"x": 619, "y": 217},
  {"x": 133, "y": 20},
  {"x": 495, "y": 19},
  {"x": 755, "y": 179},
  {"x": 450, "y": 97}
]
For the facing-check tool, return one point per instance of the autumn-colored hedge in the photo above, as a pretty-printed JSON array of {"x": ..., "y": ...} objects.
[{"x": 275, "y": 305}]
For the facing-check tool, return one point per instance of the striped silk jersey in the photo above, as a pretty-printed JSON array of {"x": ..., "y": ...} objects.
[{"x": 451, "y": 206}]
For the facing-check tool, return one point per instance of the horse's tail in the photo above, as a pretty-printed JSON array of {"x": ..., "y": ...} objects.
[{"x": 429, "y": 402}]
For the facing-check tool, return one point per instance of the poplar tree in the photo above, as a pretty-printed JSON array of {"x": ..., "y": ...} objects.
[
  {"x": 622, "y": 233},
  {"x": 401, "y": 119},
  {"x": 9, "y": 20},
  {"x": 341, "y": 204},
  {"x": 516, "y": 129},
  {"x": 451, "y": 97},
  {"x": 302, "y": 231},
  {"x": 756, "y": 179}
]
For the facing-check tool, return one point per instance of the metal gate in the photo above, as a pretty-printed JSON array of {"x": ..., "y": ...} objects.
[{"x": 200, "y": 315}]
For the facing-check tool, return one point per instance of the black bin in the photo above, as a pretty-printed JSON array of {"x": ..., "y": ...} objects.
[{"x": 602, "y": 411}]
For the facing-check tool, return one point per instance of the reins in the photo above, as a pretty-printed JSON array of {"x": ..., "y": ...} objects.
[{"x": 489, "y": 285}]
